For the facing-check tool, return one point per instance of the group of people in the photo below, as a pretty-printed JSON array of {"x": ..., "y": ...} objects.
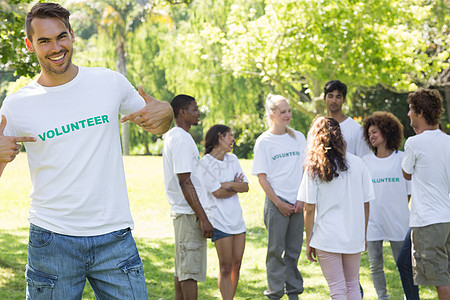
[{"x": 346, "y": 186}]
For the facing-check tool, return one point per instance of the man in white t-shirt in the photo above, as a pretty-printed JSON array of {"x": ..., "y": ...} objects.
[
  {"x": 183, "y": 180},
  {"x": 335, "y": 93},
  {"x": 80, "y": 219},
  {"x": 427, "y": 162}
]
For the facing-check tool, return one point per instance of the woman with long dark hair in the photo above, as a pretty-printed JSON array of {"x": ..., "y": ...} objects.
[
  {"x": 224, "y": 179},
  {"x": 336, "y": 188}
]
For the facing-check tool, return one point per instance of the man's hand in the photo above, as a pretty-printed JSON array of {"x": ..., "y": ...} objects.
[
  {"x": 155, "y": 117},
  {"x": 207, "y": 229},
  {"x": 9, "y": 145}
]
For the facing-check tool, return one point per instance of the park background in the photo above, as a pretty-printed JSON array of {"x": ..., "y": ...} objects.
[{"x": 229, "y": 54}]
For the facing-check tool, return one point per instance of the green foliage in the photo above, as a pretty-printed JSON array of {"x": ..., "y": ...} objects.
[
  {"x": 13, "y": 55},
  {"x": 298, "y": 46}
]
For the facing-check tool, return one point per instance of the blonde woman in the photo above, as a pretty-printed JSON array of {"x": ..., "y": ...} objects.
[
  {"x": 336, "y": 188},
  {"x": 278, "y": 163}
]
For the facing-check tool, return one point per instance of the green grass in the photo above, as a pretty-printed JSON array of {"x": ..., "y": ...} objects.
[{"x": 154, "y": 237}]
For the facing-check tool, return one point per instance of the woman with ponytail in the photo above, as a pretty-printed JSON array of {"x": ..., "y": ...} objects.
[
  {"x": 224, "y": 179},
  {"x": 278, "y": 163},
  {"x": 336, "y": 188}
]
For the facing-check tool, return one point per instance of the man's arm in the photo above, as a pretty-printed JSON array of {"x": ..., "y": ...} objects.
[
  {"x": 156, "y": 116},
  {"x": 190, "y": 194}
]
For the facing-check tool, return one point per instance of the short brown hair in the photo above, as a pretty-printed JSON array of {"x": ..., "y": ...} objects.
[
  {"x": 428, "y": 102},
  {"x": 46, "y": 11},
  {"x": 390, "y": 127}
]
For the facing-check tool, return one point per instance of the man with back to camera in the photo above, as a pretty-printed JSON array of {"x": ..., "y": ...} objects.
[
  {"x": 80, "y": 220},
  {"x": 427, "y": 163},
  {"x": 187, "y": 198},
  {"x": 335, "y": 93}
]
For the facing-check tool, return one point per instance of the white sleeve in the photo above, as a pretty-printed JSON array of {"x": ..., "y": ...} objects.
[
  {"x": 308, "y": 190},
  {"x": 9, "y": 129},
  {"x": 409, "y": 159},
  {"x": 362, "y": 148},
  {"x": 131, "y": 100},
  {"x": 212, "y": 183},
  {"x": 367, "y": 184},
  {"x": 260, "y": 164},
  {"x": 182, "y": 160}
]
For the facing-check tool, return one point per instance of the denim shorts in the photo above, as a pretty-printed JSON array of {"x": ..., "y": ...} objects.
[
  {"x": 220, "y": 235},
  {"x": 58, "y": 266}
]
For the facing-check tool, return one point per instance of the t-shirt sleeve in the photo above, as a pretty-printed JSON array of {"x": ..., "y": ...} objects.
[
  {"x": 259, "y": 159},
  {"x": 182, "y": 160},
  {"x": 131, "y": 100},
  {"x": 212, "y": 183},
  {"x": 9, "y": 129},
  {"x": 368, "y": 191},
  {"x": 409, "y": 159},
  {"x": 362, "y": 148},
  {"x": 308, "y": 190}
]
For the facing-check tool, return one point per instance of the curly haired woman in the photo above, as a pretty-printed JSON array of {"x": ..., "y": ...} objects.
[
  {"x": 336, "y": 189},
  {"x": 389, "y": 213}
]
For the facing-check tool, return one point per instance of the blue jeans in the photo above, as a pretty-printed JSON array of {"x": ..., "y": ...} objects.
[
  {"x": 404, "y": 266},
  {"x": 58, "y": 266}
]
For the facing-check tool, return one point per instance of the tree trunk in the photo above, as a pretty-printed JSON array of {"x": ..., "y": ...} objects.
[{"x": 122, "y": 68}]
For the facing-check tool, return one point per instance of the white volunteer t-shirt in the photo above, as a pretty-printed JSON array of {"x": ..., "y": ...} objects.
[
  {"x": 281, "y": 158},
  {"x": 76, "y": 165},
  {"x": 180, "y": 155},
  {"x": 225, "y": 213},
  {"x": 339, "y": 225},
  {"x": 427, "y": 158},
  {"x": 389, "y": 212},
  {"x": 354, "y": 137}
]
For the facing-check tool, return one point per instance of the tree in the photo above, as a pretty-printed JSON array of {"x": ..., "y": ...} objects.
[
  {"x": 14, "y": 58},
  {"x": 298, "y": 46},
  {"x": 119, "y": 19}
]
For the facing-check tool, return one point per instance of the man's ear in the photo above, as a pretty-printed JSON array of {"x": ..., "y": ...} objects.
[
  {"x": 29, "y": 45},
  {"x": 72, "y": 35}
]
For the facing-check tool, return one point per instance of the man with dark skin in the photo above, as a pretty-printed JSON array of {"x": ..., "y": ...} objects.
[{"x": 187, "y": 197}]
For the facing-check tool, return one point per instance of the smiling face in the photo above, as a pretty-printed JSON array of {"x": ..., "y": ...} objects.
[
  {"x": 376, "y": 138},
  {"x": 226, "y": 142},
  {"x": 282, "y": 115},
  {"x": 52, "y": 42}
]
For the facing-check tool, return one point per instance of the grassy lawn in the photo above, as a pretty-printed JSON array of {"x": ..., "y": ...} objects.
[{"x": 154, "y": 236}]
